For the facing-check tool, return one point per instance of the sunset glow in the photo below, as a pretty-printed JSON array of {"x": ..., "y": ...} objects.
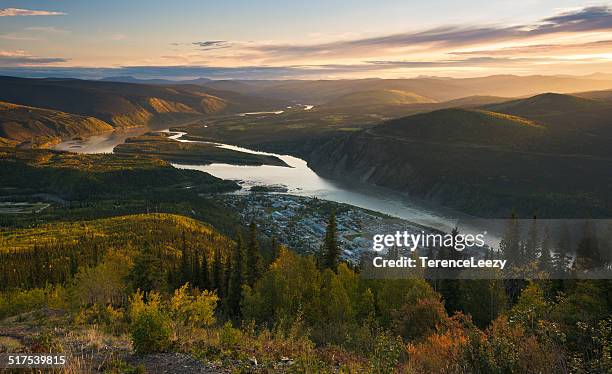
[{"x": 331, "y": 40}]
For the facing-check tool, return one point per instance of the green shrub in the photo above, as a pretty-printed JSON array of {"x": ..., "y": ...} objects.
[
  {"x": 229, "y": 336},
  {"x": 21, "y": 301},
  {"x": 387, "y": 353},
  {"x": 151, "y": 332},
  {"x": 151, "y": 328}
]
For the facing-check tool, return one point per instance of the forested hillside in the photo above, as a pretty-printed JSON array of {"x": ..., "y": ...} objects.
[
  {"x": 547, "y": 155},
  {"x": 73, "y": 176}
]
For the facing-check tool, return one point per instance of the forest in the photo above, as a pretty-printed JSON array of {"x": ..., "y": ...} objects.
[{"x": 168, "y": 283}]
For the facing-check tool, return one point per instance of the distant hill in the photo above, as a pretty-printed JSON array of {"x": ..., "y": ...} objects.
[
  {"x": 549, "y": 105},
  {"x": 71, "y": 107},
  {"x": 120, "y": 104},
  {"x": 463, "y": 126},
  {"x": 547, "y": 155},
  {"x": 377, "y": 98},
  {"x": 603, "y": 94},
  {"x": 23, "y": 123},
  {"x": 473, "y": 101},
  {"x": 439, "y": 89},
  {"x": 565, "y": 113}
]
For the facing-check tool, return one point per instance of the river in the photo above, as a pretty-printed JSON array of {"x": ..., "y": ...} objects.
[{"x": 299, "y": 180}]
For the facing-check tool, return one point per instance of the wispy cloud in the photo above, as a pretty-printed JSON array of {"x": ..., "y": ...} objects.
[
  {"x": 19, "y": 37},
  {"x": 14, "y": 12},
  {"x": 117, "y": 36},
  {"x": 22, "y": 58},
  {"x": 47, "y": 30},
  {"x": 545, "y": 49},
  {"x": 582, "y": 20},
  {"x": 212, "y": 44},
  {"x": 472, "y": 61}
]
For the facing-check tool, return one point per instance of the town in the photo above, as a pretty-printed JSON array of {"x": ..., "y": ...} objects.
[{"x": 300, "y": 222}]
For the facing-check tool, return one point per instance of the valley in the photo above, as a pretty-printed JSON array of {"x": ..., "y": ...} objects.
[{"x": 103, "y": 211}]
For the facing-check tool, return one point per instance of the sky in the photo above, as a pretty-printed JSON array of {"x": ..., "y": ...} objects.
[{"x": 332, "y": 39}]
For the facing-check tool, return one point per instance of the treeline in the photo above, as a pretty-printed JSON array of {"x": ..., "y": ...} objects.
[{"x": 54, "y": 253}]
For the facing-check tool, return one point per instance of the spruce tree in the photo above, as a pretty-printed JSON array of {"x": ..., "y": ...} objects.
[
  {"x": 195, "y": 270},
  {"x": 186, "y": 263},
  {"x": 204, "y": 277},
  {"x": 331, "y": 251},
  {"x": 448, "y": 285},
  {"x": 531, "y": 242},
  {"x": 274, "y": 249},
  {"x": 147, "y": 273},
  {"x": 237, "y": 279},
  {"x": 587, "y": 251},
  {"x": 218, "y": 274},
  {"x": 561, "y": 256},
  {"x": 510, "y": 245},
  {"x": 545, "y": 259},
  {"x": 254, "y": 260}
]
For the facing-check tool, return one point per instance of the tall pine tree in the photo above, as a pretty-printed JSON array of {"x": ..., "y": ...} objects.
[
  {"x": 254, "y": 260},
  {"x": 510, "y": 245},
  {"x": 204, "y": 277},
  {"x": 237, "y": 279},
  {"x": 562, "y": 255},
  {"x": 331, "y": 251},
  {"x": 532, "y": 242},
  {"x": 217, "y": 276},
  {"x": 545, "y": 259}
]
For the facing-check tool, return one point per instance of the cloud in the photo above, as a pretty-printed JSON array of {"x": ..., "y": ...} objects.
[
  {"x": 472, "y": 61},
  {"x": 47, "y": 30},
  {"x": 212, "y": 44},
  {"x": 117, "y": 36},
  {"x": 541, "y": 49},
  {"x": 14, "y": 36},
  {"x": 581, "y": 20},
  {"x": 14, "y": 12},
  {"x": 585, "y": 19},
  {"x": 22, "y": 58}
]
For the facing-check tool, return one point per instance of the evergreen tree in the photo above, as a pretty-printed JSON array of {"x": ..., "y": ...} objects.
[
  {"x": 195, "y": 270},
  {"x": 218, "y": 274},
  {"x": 510, "y": 246},
  {"x": 237, "y": 279},
  {"x": 204, "y": 277},
  {"x": 186, "y": 262},
  {"x": 532, "y": 242},
  {"x": 449, "y": 286},
  {"x": 147, "y": 273},
  {"x": 275, "y": 249},
  {"x": 331, "y": 251},
  {"x": 545, "y": 260},
  {"x": 254, "y": 260},
  {"x": 587, "y": 252},
  {"x": 561, "y": 256},
  {"x": 74, "y": 266}
]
